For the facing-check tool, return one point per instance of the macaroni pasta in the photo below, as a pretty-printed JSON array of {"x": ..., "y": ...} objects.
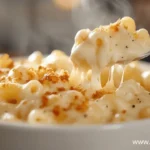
[{"x": 89, "y": 87}]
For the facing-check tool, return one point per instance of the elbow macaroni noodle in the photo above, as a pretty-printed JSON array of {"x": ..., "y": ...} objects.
[{"x": 89, "y": 87}]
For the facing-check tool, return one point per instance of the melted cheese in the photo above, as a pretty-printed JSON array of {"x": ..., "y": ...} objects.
[
  {"x": 94, "y": 90},
  {"x": 107, "y": 45}
]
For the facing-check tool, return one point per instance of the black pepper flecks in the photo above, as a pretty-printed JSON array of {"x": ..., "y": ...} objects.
[
  {"x": 133, "y": 106},
  {"x": 106, "y": 106},
  {"x": 132, "y": 40},
  {"x": 110, "y": 36},
  {"x": 127, "y": 46},
  {"x": 139, "y": 100},
  {"x": 85, "y": 115},
  {"x": 116, "y": 44}
]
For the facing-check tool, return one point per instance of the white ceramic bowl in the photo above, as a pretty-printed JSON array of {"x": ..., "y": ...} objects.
[{"x": 19, "y": 136}]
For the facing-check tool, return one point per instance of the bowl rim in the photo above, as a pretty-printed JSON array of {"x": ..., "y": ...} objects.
[{"x": 55, "y": 127}]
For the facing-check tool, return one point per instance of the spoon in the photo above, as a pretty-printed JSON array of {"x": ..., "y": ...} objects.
[{"x": 135, "y": 59}]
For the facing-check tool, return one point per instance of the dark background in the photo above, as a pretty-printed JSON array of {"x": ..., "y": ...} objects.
[{"x": 29, "y": 25}]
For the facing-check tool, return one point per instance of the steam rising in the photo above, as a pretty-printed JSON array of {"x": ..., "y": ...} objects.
[
  {"x": 93, "y": 13},
  {"x": 30, "y": 25}
]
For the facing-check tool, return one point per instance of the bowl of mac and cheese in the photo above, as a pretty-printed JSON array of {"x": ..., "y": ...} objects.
[{"x": 89, "y": 100}]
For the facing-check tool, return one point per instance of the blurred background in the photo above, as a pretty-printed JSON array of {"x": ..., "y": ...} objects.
[{"x": 29, "y": 25}]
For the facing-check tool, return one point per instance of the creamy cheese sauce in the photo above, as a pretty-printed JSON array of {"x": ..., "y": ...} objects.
[
  {"x": 89, "y": 87},
  {"x": 108, "y": 45}
]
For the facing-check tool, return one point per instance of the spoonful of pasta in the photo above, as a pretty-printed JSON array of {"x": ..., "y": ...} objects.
[{"x": 107, "y": 45}]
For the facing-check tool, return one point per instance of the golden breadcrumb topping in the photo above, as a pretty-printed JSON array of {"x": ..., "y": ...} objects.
[{"x": 89, "y": 87}]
